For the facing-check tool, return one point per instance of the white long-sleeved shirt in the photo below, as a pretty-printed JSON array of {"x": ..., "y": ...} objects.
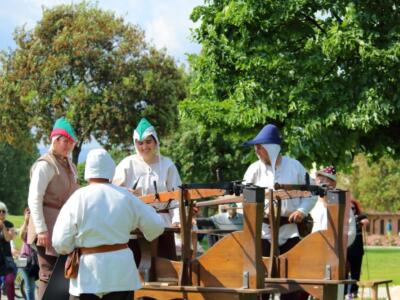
[
  {"x": 104, "y": 214},
  {"x": 134, "y": 171},
  {"x": 319, "y": 213},
  {"x": 290, "y": 171},
  {"x": 41, "y": 175}
]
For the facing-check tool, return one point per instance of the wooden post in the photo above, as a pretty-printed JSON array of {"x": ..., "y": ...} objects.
[
  {"x": 184, "y": 276},
  {"x": 253, "y": 207},
  {"x": 336, "y": 204},
  {"x": 274, "y": 216}
]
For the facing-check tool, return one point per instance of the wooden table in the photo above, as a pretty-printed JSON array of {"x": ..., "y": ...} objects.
[{"x": 373, "y": 285}]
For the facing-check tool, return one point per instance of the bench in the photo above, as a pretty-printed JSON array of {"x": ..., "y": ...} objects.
[{"x": 374, "y": 285}]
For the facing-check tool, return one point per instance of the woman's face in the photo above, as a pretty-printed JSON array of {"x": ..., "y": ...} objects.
[
  {"x": 262, "y": 154},
  {"x": 325, "y": 180},
  {"x": 3, "y": 214},
  {"x": 147, "y": 148},
  {"x": 63, "y": 146}
]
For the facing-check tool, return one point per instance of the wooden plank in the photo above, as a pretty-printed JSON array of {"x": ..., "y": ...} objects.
[
  {"x": 201, "y": 289},
  {"x": 167, "y": 270},
  {"x": 173, "y": 295},
  {"x": 309, "y": 281},
  {"x": 189, "y": 195},
  {"x": 252, "y": 252},
  {"x": 222, "y": 198},
  {"x": 227, "y": 253},
  {"x": 200, "y": 293},
  {"x": 371, "y": 283}
]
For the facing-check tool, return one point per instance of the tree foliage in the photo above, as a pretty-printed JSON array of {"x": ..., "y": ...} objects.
[
  {"x": 375, "y": 184},
  {"x": 204, "y": 155},
  {"x": 95, "y": 69},
  {"x": 14, "y": 176},
  {"x": 324, "y": 71}
]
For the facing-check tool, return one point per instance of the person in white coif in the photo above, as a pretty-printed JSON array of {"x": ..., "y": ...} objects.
[
  {"x": 98, "y": 220},
  {"x": 319, "y": 213},
  {"x": 149, "y": 172},
  {"x": 270, "y": 168}
]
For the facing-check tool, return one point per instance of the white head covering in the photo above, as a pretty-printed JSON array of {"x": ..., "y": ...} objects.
[
  {"x": 3, "y": 206},
  {"x": 99, "y": 164},
  {"x": 143, "y": 130},
  {"x": 273, "y": 152}
]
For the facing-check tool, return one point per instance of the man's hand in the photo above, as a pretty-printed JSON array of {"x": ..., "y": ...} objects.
[
  {"x": 136, "y": 192},
  {"x": 364, "y": 223},
  {"x": 296, "y": 217},
  {"x": 43, "y": 239},
  {"x": 27, "y": 214}
]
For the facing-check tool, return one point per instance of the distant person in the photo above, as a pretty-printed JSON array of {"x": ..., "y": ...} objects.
[
  {"x": 389, "y": 229},
  {"x": 7, "y": 265},
  {"x": 228, "y": 220},
  {"x": 30, "y": 273},
  {"x": 97, "y": 220},
  {"x": 355, "y": 252},
  {"x": 319, "y": 213},
  {"x": 53, "y": 180}
]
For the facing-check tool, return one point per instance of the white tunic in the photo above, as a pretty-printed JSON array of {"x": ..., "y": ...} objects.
[
  {"x": 319, "y": 213},
  {"x": 42, "y": 174},
  {"x": 290, "y": 171},
  {"x": 104, "y": 214},
  {"x": 134, "y": 171}
]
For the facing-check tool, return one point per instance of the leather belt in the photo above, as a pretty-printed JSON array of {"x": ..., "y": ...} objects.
[{"x": 102, "y": 248}]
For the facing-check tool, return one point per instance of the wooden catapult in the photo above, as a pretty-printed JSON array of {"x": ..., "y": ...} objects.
[{"x": 234, "y": 267}]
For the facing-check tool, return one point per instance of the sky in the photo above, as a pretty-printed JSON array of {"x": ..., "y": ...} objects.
[{"x": 166, "y": 24}]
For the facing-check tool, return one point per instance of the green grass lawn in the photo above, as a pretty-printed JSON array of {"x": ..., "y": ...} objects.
[
  {"x": 381, "y": 263},
  {"x": 17, "y": 221}
]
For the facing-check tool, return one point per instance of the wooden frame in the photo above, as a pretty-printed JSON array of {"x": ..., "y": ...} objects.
[{"x": 234, "y": 267}]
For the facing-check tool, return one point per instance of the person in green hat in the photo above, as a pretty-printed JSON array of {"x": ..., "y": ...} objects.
[
  {"x": 53, "y": 180},
  {"x": 149, "y": 172}
]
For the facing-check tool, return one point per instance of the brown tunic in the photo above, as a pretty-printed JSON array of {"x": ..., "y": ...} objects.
[{"x": 60, "y": 187}]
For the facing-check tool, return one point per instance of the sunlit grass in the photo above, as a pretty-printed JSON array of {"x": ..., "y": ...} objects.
[{"x": 381, "y": 263}]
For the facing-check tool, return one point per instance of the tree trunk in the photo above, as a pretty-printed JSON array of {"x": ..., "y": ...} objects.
[{"x": 75, "y": 153}]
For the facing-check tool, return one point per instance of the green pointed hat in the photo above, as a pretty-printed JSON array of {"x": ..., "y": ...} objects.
[
  {"x": 64, "y": 128},
  {"x": 143, "y": 130}
]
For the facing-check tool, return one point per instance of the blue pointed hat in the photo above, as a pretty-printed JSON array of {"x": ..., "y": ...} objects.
[{"x": 268, "y": 135}]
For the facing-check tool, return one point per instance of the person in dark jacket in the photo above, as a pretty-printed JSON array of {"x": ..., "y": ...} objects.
[
  {"x": 7, "y": 233},
  {"x": 355, "y": 252}
]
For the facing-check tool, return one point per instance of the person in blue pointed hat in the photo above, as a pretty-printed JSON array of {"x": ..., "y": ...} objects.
[
  {"x": 148, "y": 172},
  {"x": 53, "y": 180},
  {"x": 270, "y": 168}
]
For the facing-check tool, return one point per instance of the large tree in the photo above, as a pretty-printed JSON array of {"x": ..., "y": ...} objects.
[
  {"x": 204, "y": 155},
  {"x": 375, "y": 184},
  {"x": 14, "y": 176},
  {"x": 95, "y": 69},
  {"x": 324, "y": 71}
]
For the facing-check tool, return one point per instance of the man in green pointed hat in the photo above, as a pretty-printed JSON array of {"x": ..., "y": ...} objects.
[
  {"x": 53, "y": 180},
  {"x": 149, "y": 172}
]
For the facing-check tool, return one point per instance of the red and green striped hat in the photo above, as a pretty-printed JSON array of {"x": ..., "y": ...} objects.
[{"x": 64, "y": 128}]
